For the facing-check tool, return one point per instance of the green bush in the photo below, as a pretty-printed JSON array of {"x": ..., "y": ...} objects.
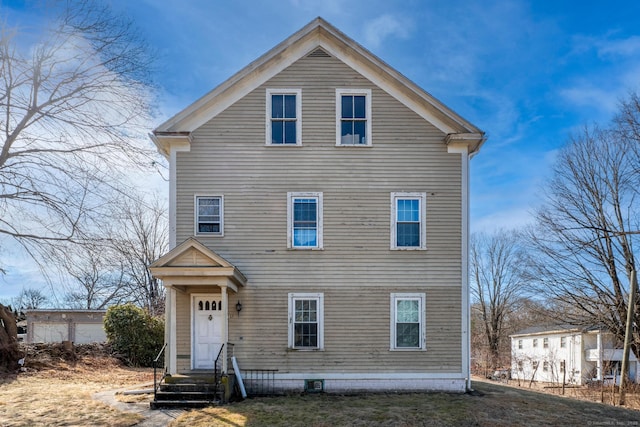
[{"x": 134, "y": 334}]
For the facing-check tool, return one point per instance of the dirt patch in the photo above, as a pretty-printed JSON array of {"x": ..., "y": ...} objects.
[{"x": 56, "y": 388}]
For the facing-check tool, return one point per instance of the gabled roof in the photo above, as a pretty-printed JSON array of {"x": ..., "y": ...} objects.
[
  {"x": 192, "y": 258},
  {"x": 317, "y": 34}
]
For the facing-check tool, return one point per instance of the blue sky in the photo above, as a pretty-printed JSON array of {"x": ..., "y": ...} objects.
[{"x": 529, "y": 73}]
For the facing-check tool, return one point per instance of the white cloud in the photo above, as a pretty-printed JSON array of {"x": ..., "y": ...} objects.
[
  {"x": 384, "y": 26},
  {"x": 628, "y": 47}
]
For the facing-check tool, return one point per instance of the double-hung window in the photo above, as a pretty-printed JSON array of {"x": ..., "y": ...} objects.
[
  {"x": 408, "y": 221},
  {"x": 284, "y": 117},
  {"x": 408, "y": 321},
  {"x": 306, "y": 321},
  {"x": 353, "y": 117},
  {"x": 304, "y": 220},
  {"x": 209, "y": 215}
]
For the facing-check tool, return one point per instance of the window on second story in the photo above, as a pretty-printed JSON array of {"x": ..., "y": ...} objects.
[
  {"x": 304, "y": 220},
  {"x": 284, "y": 117},
  {"x": 563, "y": 342},
  {"x": 545, "y": 342},
  {"x": 408, "y": 221},
  {"x": 535, "y": 342},
  {"x": 353, "y": 117},
  {"x": 519, "y": 344},
  {"x": 209, "y": 215}
]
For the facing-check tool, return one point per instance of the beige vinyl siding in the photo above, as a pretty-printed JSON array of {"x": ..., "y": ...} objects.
[
  {"x": 229, "y": 157},
  {"x": 357, "y": 332}
]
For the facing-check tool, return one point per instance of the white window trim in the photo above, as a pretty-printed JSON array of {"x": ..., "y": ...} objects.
[
  {"x": 319, "y": 297},
  {"x": 421, "y": 297},
  {"x": 367, "y": 94},
  {"x": 298, "y": 93},
  {"x": 423, "y": 220},
  {"x": 195, "y": 214},
  {"x": 295, "y": 195}
]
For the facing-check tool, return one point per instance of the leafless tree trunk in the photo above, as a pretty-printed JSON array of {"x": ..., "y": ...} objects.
[
  {"x": 9, "y": 352},
  {"x": 586, "y": 231},
  {"x": 496, "y": 284}
]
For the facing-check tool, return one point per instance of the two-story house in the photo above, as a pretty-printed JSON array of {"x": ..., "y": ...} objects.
[
  {"x": 567, "y": 353},
  {"x": 319, "y": 219}
]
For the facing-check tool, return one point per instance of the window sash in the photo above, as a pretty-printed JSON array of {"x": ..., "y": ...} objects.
[
  {"x": 408, "y": 319},
  {"x": 305, "y": 222},
  {"x": 408, "y": 221},
  {"x": 208, "y": 215},
  {"x": 353, "y": 117},
  {"x": 306, "y": 319},
  {"x": 305, "y": 323},
  {"x": 283, "y": 116}
]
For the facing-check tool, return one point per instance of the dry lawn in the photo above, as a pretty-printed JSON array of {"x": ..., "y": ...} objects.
[
  {"x": 492, "y": 406},
  {"x": 59, "y": 393}
]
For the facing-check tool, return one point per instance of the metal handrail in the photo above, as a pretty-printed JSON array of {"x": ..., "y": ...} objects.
[
  {"x": 156, "y": 383},
  {"x": 216, "y": 363}
]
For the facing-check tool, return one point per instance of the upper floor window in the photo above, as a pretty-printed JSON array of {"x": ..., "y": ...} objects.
[
  {"x": 304, "y": 220},
  {"x": 535, "y": 342},
  {"x": 306, "y": 321},
  {"x": 545, "y": 342},
  {"x": 407, "y": 321},
  {"x": 408, "y": 221},
  {"x": 353, "y": 117},
  {"x": 209, "y": 215},
  {"x": 563, "y": 342},
  {"x": 284, "y": 116},
  {"x": 519, "y": 344}
]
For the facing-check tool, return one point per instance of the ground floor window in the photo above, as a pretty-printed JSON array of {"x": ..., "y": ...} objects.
[
  {"x": 306, "y": 321},
  {"x": 408, "y": 321}
]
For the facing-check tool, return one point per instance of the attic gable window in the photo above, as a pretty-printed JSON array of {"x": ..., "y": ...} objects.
[
  {"x": 284, "y": 117},
  {"x": 353, "y": 117}
]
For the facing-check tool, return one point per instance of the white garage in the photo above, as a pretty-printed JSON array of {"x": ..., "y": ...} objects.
[{"x": 77, "y": 326}]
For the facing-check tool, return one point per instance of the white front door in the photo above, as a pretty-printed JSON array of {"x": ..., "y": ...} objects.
[{"x": 207, "y": 330}]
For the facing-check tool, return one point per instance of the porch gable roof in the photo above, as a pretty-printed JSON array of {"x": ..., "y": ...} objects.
[{"x": 193, "y": 259}]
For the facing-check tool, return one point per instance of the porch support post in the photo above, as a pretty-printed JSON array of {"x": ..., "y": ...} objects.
[
  {"x": 225, "y": 327},
  {"x": 170, "y": 330}
]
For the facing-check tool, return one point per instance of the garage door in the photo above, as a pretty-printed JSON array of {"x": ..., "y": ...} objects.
[
  {"x": 89, "y": 332},
  {"x": 50, "y": 332}
]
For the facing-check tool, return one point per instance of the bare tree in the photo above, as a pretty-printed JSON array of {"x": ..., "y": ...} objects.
[
  {"x": 72, "y": 109},
  {"x": 496, "y": 286},
  {"x": 140, "y": 236},
  {"x": 95, "y": 279},
  {"x": 586, "y": 231},
  {"x": 30, "y": 299}
]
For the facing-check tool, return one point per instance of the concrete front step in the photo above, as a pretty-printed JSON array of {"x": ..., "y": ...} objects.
[
  {"x": 192, "y": 378},
  {"x": 190, "y": 395},
  {"x": 165, "y": 404}
]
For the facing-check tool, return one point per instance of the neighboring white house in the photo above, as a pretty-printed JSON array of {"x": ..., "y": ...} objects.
[
  {"x": 554, "y": 353},
  {"x": 78, "y": 326}
]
